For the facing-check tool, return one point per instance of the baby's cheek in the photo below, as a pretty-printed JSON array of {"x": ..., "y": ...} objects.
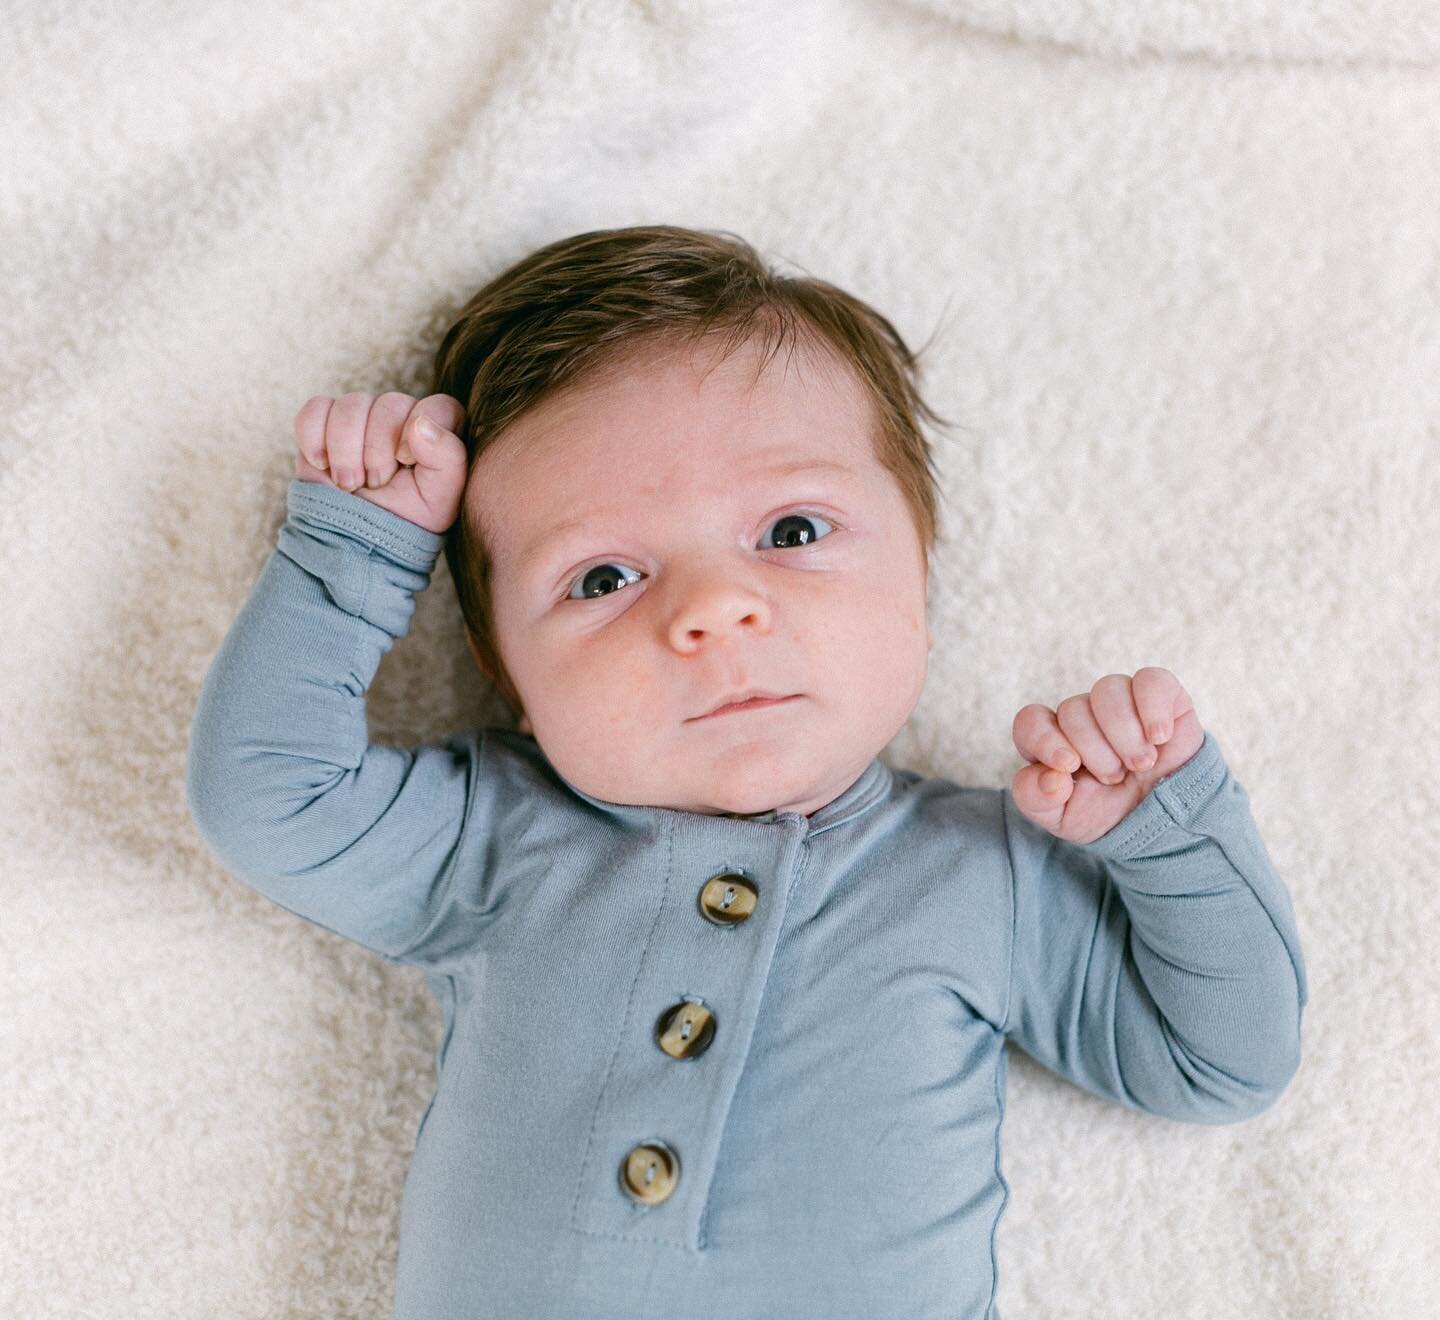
[
  {"x": 609, "y": 707},
  {"x": 897, "y": 613},
  {"x": 897, "y": 642}
]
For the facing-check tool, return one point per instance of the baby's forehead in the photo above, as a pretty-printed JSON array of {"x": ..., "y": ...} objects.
[{"x": 547, "y": 447}]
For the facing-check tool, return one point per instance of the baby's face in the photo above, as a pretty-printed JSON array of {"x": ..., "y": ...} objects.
[{"x": 651, "y": 557}]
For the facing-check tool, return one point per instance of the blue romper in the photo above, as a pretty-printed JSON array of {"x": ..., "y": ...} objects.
[{"x": 699, "y": 1066}]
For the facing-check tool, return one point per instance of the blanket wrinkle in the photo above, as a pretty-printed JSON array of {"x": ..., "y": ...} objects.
[{"x": 1342, "y": 32}]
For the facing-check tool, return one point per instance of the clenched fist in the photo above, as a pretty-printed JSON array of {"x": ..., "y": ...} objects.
[
  {"x": 383, "y": 451},
  {"x": 1094, "y": 757}
]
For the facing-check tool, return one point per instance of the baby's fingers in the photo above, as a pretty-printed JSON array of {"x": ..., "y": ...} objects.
[
  {"x": 384, "y": 431},
  {"x": 345, "y": 428},
  {"x": 1037, "y": 737},
  {"x": 311, "y": 461}
]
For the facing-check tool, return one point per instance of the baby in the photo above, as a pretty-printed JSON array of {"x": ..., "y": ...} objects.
[{"x": 725, "y": 997}]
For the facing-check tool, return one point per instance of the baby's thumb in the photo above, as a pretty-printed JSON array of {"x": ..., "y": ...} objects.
[
  {"x": 427, "y": 444},
  {"x": 438, "y": 464},
  {"x": 1041, "y": 794}
]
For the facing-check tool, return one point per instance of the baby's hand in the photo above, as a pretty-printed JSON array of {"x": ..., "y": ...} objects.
[
  {"x": 1109, "y": 747},
  {"x": 376, "y": 449}
]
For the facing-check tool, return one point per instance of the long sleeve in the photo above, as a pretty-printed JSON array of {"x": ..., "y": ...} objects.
[
  {"x": 1159, "y": 965},
  {"x": 364, "y": 841}
]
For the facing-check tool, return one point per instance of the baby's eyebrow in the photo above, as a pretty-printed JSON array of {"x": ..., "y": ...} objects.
[
  {"x": 808, "y": 465},
  {"x": 554, "y": 533}
]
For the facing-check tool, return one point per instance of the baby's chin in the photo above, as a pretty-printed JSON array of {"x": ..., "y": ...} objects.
[
  {"x": 790, "y": 768},
  {"x": 797, "y": 792},
  {"x": 710, "y": 805}
]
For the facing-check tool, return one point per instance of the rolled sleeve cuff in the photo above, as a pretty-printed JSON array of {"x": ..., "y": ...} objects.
[
  {"x": 1174, "y": 801},
  {"x": 407, "y": 543}
]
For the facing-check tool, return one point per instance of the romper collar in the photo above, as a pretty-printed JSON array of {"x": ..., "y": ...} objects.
[{"x": 872, "y": 785}]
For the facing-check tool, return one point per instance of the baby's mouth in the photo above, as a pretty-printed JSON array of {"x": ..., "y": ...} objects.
[{"x": 741, "y": 707}]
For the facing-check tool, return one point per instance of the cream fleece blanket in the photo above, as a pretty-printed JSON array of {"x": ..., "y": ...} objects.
[{"x": 1181, "y": 266}]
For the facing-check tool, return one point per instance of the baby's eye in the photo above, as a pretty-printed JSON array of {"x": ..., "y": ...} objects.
[
  {"x": 793, "y": 529},
  {"x": 599, "y": 581},
  {"x": 795, "y": 532}
]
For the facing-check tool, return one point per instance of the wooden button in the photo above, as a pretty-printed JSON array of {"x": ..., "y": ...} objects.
[
  {"x": 728, "y": 899},
  {"x": 685, "y": 1030},
  {"x": 650, "y": 1172}
]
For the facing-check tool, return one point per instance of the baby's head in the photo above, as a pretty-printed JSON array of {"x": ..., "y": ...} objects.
[{"x": 665, "y": 510}]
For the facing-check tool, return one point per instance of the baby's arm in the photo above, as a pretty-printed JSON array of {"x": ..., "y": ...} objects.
[
  {"x": 1160, "y": 964},
  {"x": 368, "y": 841}
]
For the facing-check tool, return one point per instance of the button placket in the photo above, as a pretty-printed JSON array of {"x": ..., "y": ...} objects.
[
  {"x": 708, "y": 886},
  {"x": 684, "y": 1031}
]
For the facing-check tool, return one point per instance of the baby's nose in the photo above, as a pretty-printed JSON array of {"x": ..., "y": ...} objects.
[{"x": 718, "y": 608}]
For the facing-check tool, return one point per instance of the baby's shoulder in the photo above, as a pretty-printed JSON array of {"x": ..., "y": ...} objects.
[
  {"x": 948, "y": 805},
  {"x": 510, "y": 779}
]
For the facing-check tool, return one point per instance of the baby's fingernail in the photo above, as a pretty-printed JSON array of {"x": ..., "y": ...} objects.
[
  {"x": 1146, "y": 759},
  {"x": 428, "y": 429},
  {"x": 1050, "y": 781}
]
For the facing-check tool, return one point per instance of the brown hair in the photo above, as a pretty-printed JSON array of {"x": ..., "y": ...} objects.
[{"x": 579, "y": 304}]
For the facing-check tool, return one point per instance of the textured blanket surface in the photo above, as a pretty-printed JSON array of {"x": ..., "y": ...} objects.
[{"x": 1176, "y": 269}]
